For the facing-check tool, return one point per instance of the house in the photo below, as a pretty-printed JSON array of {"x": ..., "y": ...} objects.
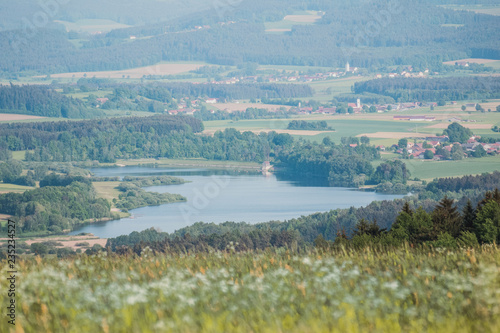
[
  {"x": 211, "y": 100},
  {"x": 266, "y": 166},
  {"x": 102, "y": 100},
  {"x": 434, "y": 143},
  {"x": 440, "y": 138}
]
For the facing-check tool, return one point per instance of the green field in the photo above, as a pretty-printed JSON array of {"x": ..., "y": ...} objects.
[
  {"x": 298, "y": 18},
  {"x": 92, "y": 25},
  {"x": 369, "y": 290},
  {"x": 13, "y": 188},
  {"x": 107, "y": 190},
  {"x": 489, "y": 9},
  {"x": 428, "y": 170},
  {"x": 325, "y": 91},
  {"x": 344, "y": 126}
]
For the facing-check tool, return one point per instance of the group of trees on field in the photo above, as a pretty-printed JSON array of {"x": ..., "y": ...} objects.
[{"x": 309, "y": 125}]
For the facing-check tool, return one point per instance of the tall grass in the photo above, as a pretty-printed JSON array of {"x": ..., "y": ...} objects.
[{"x": 370, "y": 290}]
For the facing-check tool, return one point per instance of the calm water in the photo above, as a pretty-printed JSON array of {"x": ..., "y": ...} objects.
[{"x": 221, "y": 195}]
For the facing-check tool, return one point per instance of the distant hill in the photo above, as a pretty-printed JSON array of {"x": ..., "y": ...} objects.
[{"x": 367, "y": 34}]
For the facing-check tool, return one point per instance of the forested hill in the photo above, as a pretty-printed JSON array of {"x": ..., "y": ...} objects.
[
  {"x": 432, "y": 89},
  {"x": 42, "y": 101},
  {"x": 365, "y": 34}
]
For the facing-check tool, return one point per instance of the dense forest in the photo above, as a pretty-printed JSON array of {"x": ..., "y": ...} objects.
[
  {"x": 42, "y": 101},
  {"x": 101, "y": 140},
  {"x": 432, "y": 89},
  {"x": 52, "y": 209},
  {"x": 365, "y": 34}
]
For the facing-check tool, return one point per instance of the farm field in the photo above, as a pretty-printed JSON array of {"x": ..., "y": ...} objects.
[
  {"x": 92, "y": 26},
  {"x": 344, "y": 125},
  {"x": 6, "y": 188},
  {"x": 369, "y": 290},
  {"x": 285, "y": 25},
  {"x": 428, "y": 170},
  {"x": 326, "y": 90},
  {"x": 8, "y": 117},
  {"x": 107, "y": 190},
  {"x": 136, "y": 73},
  {"x": 481, "y": 9},
  {"x": 231, "y": 107},
  {"x": 472, "y": 61}
]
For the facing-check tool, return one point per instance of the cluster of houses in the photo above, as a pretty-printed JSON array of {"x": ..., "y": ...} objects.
[
  {"x": 289, "y": 77},
  {"x": 407, "y": 72},
  {"x": 418, "y": 150}
]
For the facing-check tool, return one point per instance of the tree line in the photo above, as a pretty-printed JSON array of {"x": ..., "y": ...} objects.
[
  {"x": 42, "y": 101},
  {"x": 432, "y": 89}
]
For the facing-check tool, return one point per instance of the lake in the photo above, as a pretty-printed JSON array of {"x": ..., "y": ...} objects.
[{"x": 225, "y": 195}]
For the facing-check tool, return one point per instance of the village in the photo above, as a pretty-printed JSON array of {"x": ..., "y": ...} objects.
[{"x": 440, "y": 148}]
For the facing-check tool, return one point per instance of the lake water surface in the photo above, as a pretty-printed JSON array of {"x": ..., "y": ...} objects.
[{"x": 222, "y": 195}]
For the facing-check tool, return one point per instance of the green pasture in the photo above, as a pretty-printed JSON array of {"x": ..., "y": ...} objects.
[{"x": 429, "y": 170}]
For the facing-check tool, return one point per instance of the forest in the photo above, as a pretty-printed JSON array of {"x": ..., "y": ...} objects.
[
  {"x": 367, "y": 35},
  {"x": 42, "y": 101},
  {"x": 432, "y": 89},
  {"x": 53, "y": 209}
]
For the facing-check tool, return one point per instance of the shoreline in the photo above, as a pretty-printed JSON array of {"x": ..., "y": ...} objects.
[{"x": 184, "y": 163}]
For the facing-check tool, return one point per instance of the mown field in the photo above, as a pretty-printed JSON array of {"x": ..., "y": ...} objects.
[
  {"x": 429, "y": 170},
  {"x": 403, "y": 290}
]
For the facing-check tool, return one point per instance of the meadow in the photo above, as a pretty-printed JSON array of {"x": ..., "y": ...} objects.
[
  {"x": 428, "y": 170},
  {"x": 369, "y": 290},
  {"x": 298, "y": 18},
  {"x": 481, "y": 9},
  {"x": 92, "y": 26}
]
